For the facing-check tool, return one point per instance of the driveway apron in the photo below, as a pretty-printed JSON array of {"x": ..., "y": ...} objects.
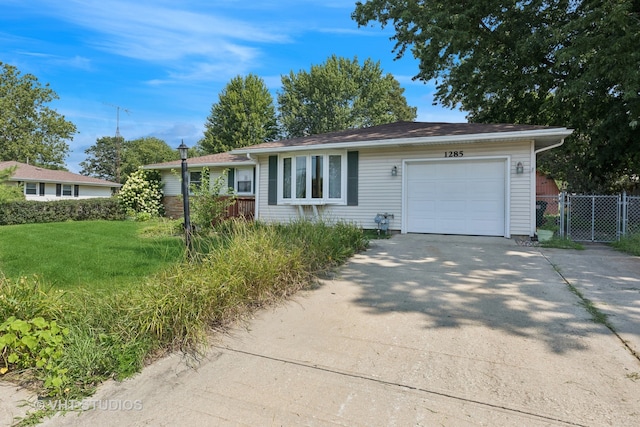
[{"x": 417, "y": 330}]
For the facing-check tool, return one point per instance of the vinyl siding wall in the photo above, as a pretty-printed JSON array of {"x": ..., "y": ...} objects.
[
  {"x": 172, "y": 184},
  {"x": 85, "y": 192},
  {"x": 380, "y": 192}
]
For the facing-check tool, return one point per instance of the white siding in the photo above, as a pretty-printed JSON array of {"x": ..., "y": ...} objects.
[
  {"x": 85, "y": 192},
  {"x": 172, "y": 182},
  {"x": 380, "y": 192}
]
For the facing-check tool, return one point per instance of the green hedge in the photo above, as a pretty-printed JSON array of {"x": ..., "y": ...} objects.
[{"x": 29, "y": 212}]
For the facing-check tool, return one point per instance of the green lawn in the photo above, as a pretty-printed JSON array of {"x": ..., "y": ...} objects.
[{"x": 90, "y": 254}]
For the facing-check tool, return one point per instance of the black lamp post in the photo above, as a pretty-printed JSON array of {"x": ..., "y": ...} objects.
[{"x": 184, "y": 152}]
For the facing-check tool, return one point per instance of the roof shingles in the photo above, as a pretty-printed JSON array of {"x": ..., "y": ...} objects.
[{"x": 25, "y": 172}]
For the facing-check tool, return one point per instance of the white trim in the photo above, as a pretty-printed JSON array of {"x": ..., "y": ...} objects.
[
  {"x": 257, "y": 193},
  {"x": 542, "y": 134},
  {"x": 507, "y": 185}
]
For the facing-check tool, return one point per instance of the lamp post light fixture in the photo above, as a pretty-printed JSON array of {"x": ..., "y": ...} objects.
[{"x": 184, "y": 152}]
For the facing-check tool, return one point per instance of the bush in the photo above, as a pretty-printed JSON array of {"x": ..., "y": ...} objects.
[
  {"x": 209, "y": 203},
  {"x": 30, "y": 212},
  {"x": 141, "y": 195}
]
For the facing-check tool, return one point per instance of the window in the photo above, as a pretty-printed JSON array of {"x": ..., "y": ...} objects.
[
  {"x": 316, "y": 178},
  {"x": 66, "y": 190},
  {"x": 195, "y": 181},
  {"x": 244, "y": 180},
  {"x": 31, "y": 188}
]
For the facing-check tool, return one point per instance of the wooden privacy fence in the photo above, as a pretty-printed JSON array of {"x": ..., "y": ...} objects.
[{"x": 244, "y": 207}]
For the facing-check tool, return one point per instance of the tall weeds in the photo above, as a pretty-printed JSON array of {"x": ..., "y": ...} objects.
[{"x": 245, "y": 266}]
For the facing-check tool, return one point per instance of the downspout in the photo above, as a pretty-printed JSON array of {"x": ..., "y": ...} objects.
[
  {"x": 534, "y": 161},
  {"x": 256, "y": 188}
]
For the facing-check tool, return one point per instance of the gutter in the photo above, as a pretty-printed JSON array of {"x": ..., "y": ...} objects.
[{"x": 429, "y": 140}]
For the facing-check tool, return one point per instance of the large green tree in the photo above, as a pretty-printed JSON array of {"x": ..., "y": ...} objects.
[
  {"x": 30, "y": 131},
  {"x": 244, "y": 115},
  {"x": 103, "y": 158},
  {"x": 574, "y": 63},
  {"x": 340, "y": 94},
  {"x": 114, "y": 159},
  {"x": 145, "y": 151}
]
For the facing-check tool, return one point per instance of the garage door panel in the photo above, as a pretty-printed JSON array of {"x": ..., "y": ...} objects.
[{"x": 456, "y": 197}]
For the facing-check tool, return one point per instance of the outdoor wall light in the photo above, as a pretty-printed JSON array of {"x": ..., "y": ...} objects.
[
  {"x": 394, "y": 171},
  {"x": 519, "y": 168}
]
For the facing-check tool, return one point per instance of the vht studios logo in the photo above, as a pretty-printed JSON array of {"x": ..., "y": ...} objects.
[{"x": 86, "y": 405}]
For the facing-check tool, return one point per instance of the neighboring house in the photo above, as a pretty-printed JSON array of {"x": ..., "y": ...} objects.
[
  {"x": 547, "y": 191},
  {"x": 546, "y": 186},
  {"x": 441, "y": 178},
  {"x": 47, "y": 185},
  {"x": 239, "y": 174}
]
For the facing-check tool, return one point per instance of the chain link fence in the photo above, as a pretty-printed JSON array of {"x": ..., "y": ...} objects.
[{"x": 588, "y": 218}]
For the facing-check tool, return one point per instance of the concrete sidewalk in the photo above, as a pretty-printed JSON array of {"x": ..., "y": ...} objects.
[
  {"x": 610, "y": 280},
  {"x": 418, "y": 330}
]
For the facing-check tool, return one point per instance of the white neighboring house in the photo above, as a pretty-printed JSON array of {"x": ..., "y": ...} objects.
[{"x": 44, "y": 185}]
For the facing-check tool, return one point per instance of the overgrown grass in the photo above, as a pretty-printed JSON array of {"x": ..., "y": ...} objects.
[
  {"x": 561, "y": 243},
  {"x": 629, "y": 244},
  {"x": 246, "y": 266},
  {"x": 94, "y": 255}
]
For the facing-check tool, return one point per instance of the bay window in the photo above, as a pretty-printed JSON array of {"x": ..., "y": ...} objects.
[{"x": 312, "y": 178}]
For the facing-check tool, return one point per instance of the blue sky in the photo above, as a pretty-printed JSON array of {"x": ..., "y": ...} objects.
[{"x": 165, "y": 62}]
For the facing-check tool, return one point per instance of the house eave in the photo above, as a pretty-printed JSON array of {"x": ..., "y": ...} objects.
[{"x": 542, "y": 137}]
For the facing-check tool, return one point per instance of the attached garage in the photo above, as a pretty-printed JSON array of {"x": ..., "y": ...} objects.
[{"x": 457, "y": 196}]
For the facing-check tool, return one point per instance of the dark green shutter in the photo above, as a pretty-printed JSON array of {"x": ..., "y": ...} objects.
[
  {"x": 352, "y": 178},
  {"x": 76, "y": 190},
  {"x": 58, "y": 190},
  {"x": 42, "y": 188},
  {"x": 231, "y": 177},
  {"x": 273, "y": 180}
]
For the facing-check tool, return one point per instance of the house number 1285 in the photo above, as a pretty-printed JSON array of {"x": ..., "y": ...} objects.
[{"x": 453, "y": 154}]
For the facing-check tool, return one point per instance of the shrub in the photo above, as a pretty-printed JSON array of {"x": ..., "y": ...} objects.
[
  {"x": 209, "y": 201},
  {"x": 141, "y": 195},
  {"x": 30, "y": 212}
]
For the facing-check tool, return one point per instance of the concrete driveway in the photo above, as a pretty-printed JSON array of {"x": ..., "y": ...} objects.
[{"x": 418, "y": 330}]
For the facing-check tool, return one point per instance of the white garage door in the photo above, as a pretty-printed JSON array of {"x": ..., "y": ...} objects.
[{"x": 456, "y": 197}]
